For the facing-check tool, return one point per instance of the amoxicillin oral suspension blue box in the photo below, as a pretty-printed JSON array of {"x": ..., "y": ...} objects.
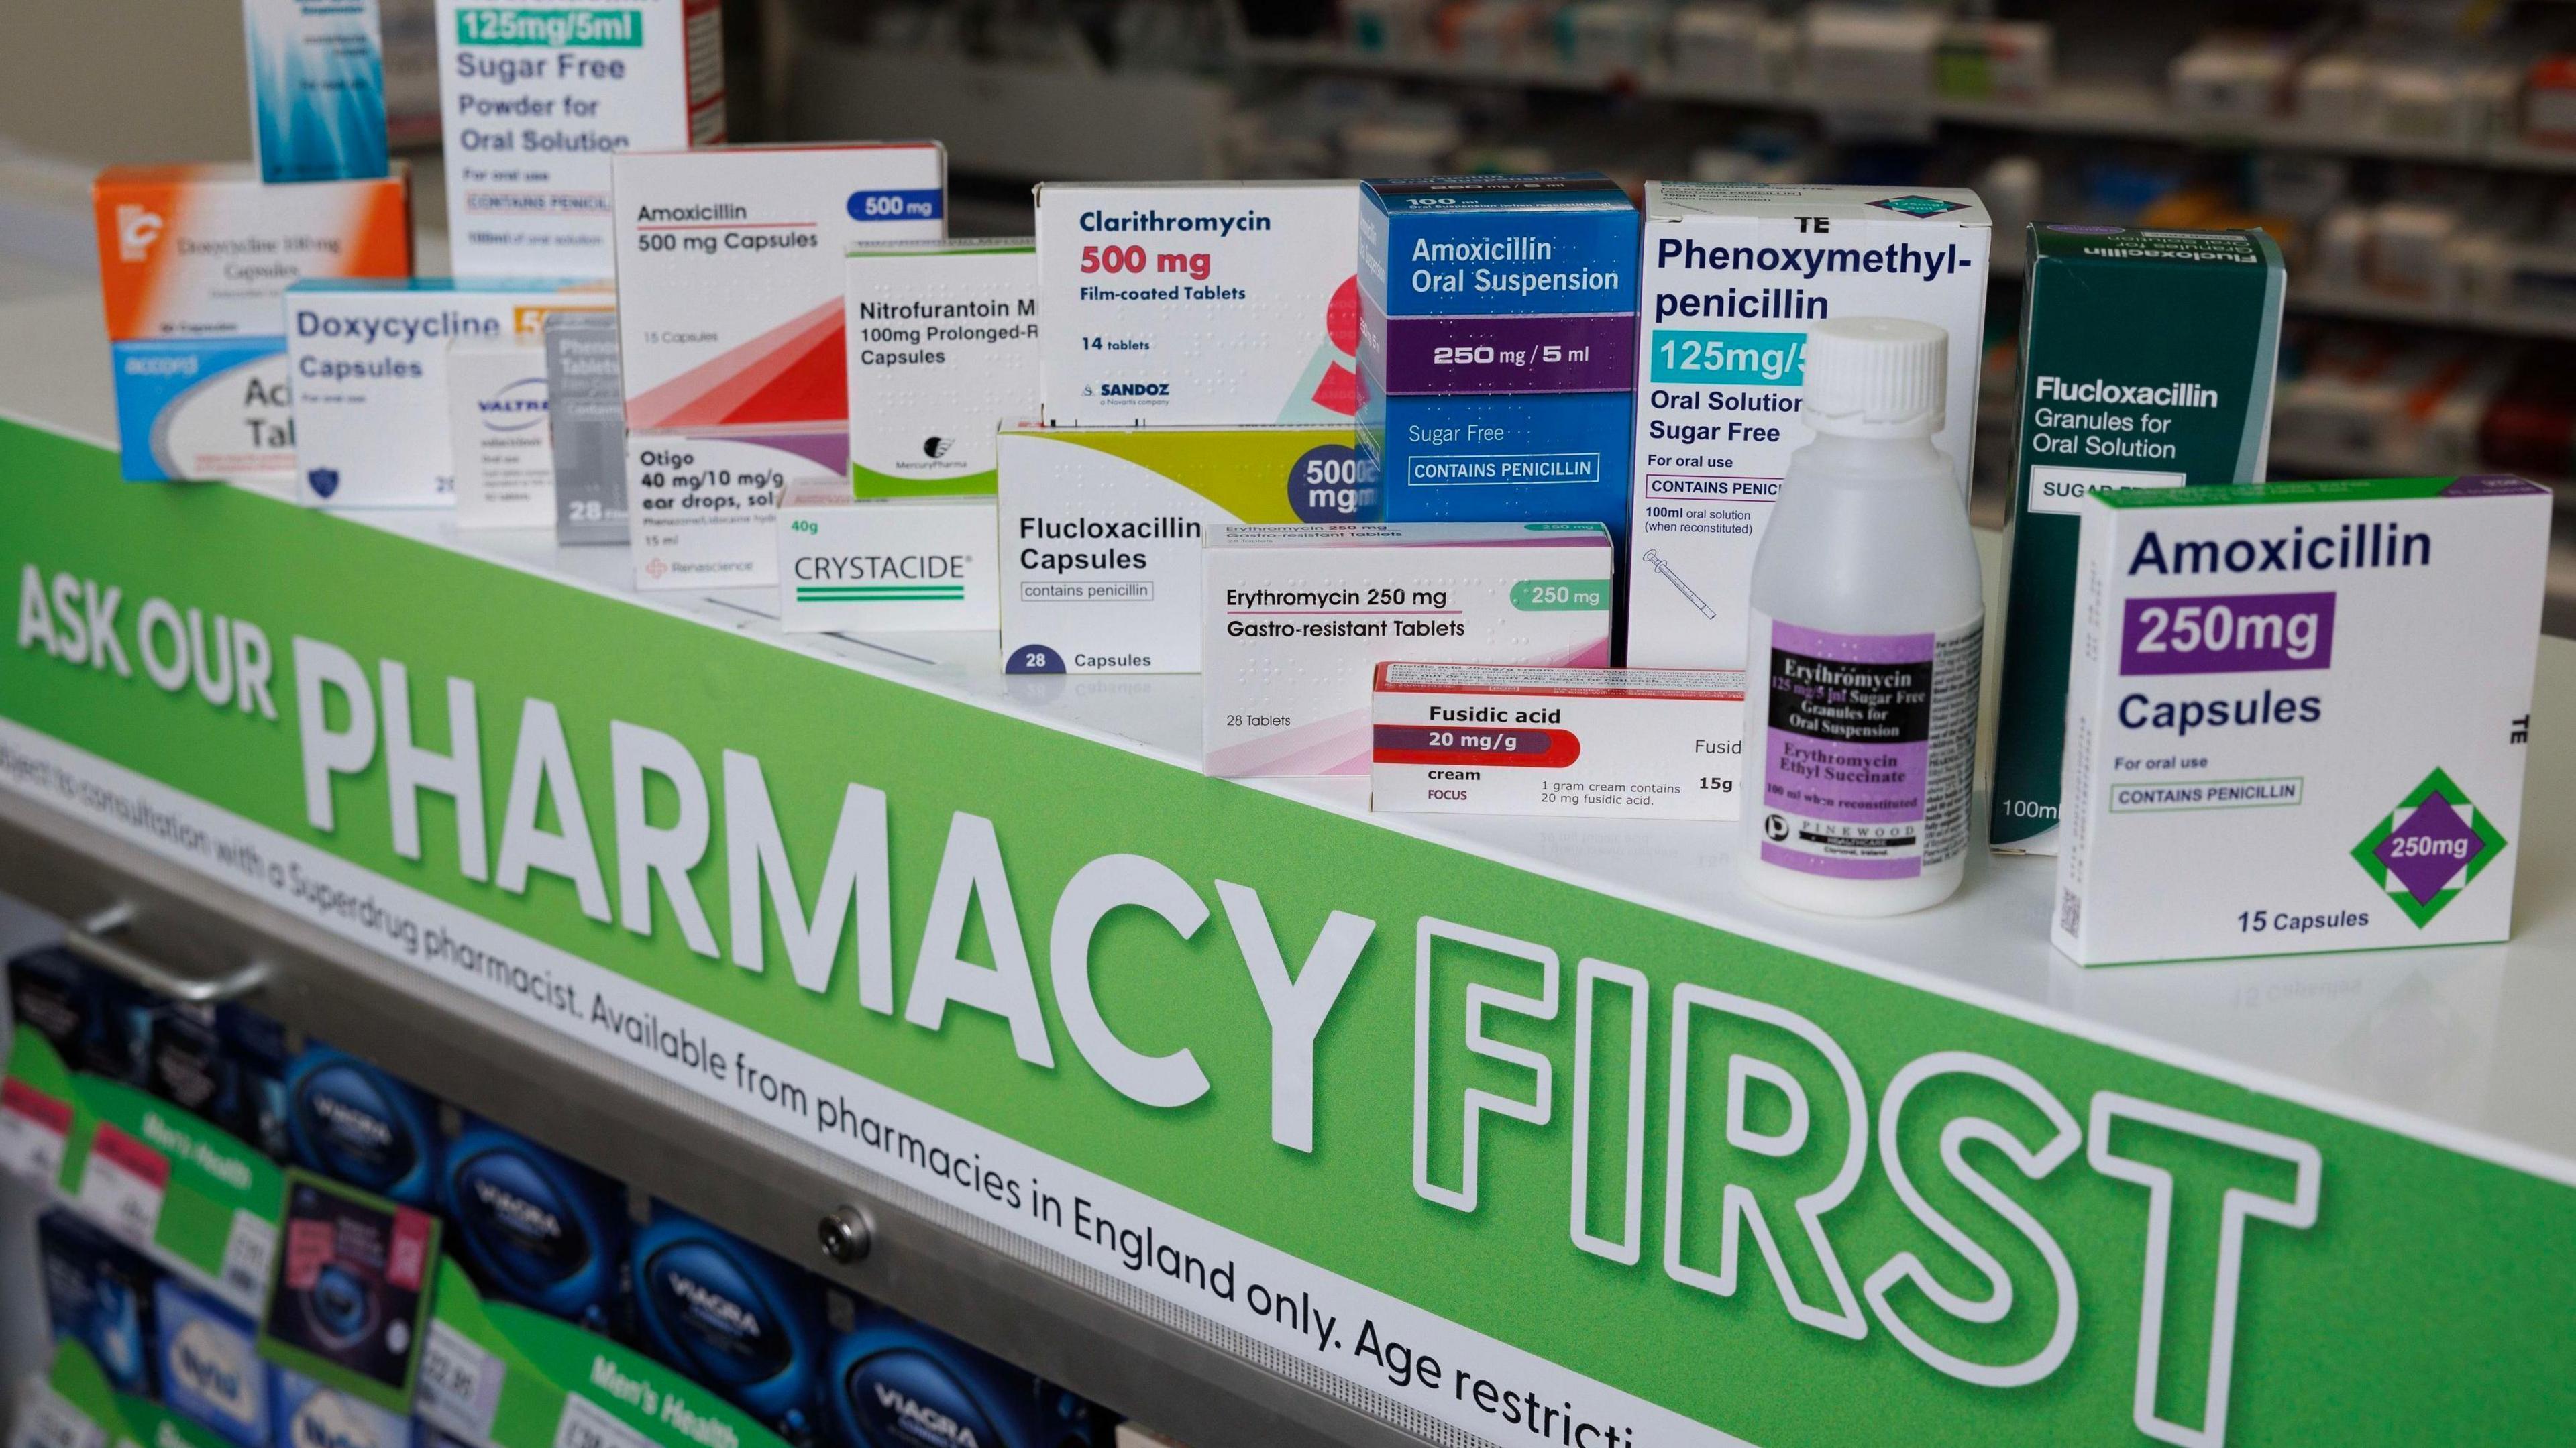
[
  {"x": 317, "y": 89},
  {"x": 1498, "y": 331}
]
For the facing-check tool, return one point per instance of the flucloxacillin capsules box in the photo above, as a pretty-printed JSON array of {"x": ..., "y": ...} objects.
[
  {"x": 2297, "y": 717},
  {"x": 1590, "y": 743}
]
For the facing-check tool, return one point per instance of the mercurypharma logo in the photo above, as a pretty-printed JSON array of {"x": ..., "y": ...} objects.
[
  {"x": 2428, "y": 849},
  {"x": 1919, "y": 205}
]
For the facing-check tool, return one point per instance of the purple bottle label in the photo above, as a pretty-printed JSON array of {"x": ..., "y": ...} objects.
[{"x": 1868, "y": 740}]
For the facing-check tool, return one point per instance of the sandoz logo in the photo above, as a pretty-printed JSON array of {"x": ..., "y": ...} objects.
[
  {"x": 1135, "y": 389},
  {"x": 137, "y": 227},
  {"x": 713, "y": 1306}
]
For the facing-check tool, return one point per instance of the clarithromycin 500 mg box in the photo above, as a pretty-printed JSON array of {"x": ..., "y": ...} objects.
[
  {"x": 702, "y": 507},
  {"x": 2147, "y": 361},
  {"x": 1597, "y": 743},
  {"x": 1732, "y": 277},
  {"x": 1101, "y": 530},
  {"x": 943, "y": 346},
  {"x": 2297, "y": 717},
  {"x": 1217, "y": 303},
  {"x": 888, "y": 566},
  {"x": 536, "y": 98},
  {"x": 1298, "y": 618},
  {"x": 733, "y": 273}
]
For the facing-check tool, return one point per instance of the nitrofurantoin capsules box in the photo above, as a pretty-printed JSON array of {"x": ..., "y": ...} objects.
[
  {"x": 1218, "y": 303},
  {"x": 370, "y": 374},
  {"x": 943, "y": 348},
  {"x": 1596, "y": 743},
  {"x": 2147, "y": 361},
  {"x": 1498, "y": 334},
  {"x": 317, "y": 89},
  {"x": 1297, "y": 619},
  {"x": 733, "y": 273},
  {"x": 1101, "y": 530},
  {"x": 895, "y": 565},
  {"x": 1732, "y": 276},
  {"x": 534, "y": 101},
  {"x": 2297, "y": 717},
  {"x": 702, "y": 507}
]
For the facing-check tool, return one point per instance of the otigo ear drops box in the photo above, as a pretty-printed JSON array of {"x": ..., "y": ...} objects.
[
  {"x": 2298, "y": 715},
  {"x": 2147, "y": 361}
]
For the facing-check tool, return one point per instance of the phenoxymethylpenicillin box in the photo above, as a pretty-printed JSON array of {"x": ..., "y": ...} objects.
[
  {"x": 1498, "y": 337},
  {"x": 733, "y": 273},
  {"x": 1215, "y": 303},
  {"x": 2297, "y": 717},
  {"x": 534, "y": 99},
  {"x": 702, "y": 507},
  {"x": 317, "y": 89},
  {"x": 370, "y": 365},
  {"x": 895, "y": 565},
  {"x": 1596, "y": 743},
  {"x": 2147, "y": 360},
  {"x": 1732, "y": 276},
  {"x": 586, "y": 427},
  {"x": 1297, "y": 619},
  {"x": 1101, "y": 528},
  {"x": 943, "y": 347}
]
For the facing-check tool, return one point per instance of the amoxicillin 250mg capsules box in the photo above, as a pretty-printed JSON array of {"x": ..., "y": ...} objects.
[
  {"x": 1194, "y": 302},
  {"x": 943, "y": 348},
  {"x": 897, "y": 565},
  {"x": 733, "y": 273},
  {"x": 1596, "y": 743},
  {"x": 536, "y": 98},
  {"x": 1298, "y": 618},
  {"x": 2297, "y": 717},
  {"x": 1101, "y": 530},
  {"x": 1733, "y": 275},
  {"x": 317, "y": 89}
]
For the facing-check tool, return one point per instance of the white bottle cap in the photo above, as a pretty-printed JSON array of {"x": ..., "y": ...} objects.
[{"x": 1876, "y": 377}]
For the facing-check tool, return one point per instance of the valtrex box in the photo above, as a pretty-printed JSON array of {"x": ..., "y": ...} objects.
[
  {"x": 1100, "y": 531},
  {"x": 887, "y": 565},
  {"x": 207, "y": 251},
  {"x": 1219, "y": 303},
  {"x": 732, "y": 273},
  {"x": 1298, "y": 618},
  {"x": 206, "y": 407},
  {"x": 2296, "y": 716},
  {"x": 702, "y": 507},
  {"x": 1597, "y": 743}
]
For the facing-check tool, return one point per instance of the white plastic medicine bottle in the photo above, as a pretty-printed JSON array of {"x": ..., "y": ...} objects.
[{"x": 1867, "y": 622}]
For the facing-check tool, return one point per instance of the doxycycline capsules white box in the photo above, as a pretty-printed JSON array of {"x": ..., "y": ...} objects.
[
  {"x": 1595, "y": 743},
  {"x": 2297, "y": 715},
  {"x": 1222, "y": 303},
  {"x": 1298, "y": 617}
]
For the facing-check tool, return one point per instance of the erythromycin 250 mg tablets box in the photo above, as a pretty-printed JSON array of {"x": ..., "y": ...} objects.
[
  {"x": 894, "y": 565},
  {"x": 1732, "y": 276},
  {"x": 1217, "y": 303},
  {"x": 1297, "y": 619},
  {"x": 1596, "y": 743},
  {"x": 1101, "y": 530},
  {"x": 733, "y": 273},
  {"x": 535, "y": 99},
  {"x": 943, "y": 344},
  {"x": 2297, "y": 717}
]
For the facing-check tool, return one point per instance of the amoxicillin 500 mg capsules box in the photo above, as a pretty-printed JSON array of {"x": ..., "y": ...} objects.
[
  {"x": 1596, "y": 743},
  {"x": 1219, "y": 303},
  {"x": 2297, "y": 717},
  {"x": 896, "y": 565},
  {"x": 1298, "y": 618},
  {"x": 943, "y": 348}
]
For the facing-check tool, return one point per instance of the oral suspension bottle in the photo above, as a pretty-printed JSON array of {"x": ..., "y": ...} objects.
[{"x": 1866, "y": 627}]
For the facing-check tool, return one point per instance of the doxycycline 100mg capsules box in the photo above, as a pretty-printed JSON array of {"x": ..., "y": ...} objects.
[
  {"x": 2297, "y": 717},
  {"x": 1595, "y": 743},
  {"x": 1298, "y": 618},
  {"x": 2146, "y": 362},
  {"x": 943, "y": 349},
  {"x": 1216, "y": 303},
  {"x": 1498, "y": 333},
  {"x": 1732, "y": 277}
]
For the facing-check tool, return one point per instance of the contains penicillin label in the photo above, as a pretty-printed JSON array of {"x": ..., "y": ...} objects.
[{"x": 1866, "y": 748}]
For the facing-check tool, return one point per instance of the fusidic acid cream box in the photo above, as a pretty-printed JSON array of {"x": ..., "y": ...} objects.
[
  {"x": 1596, "y": 743},
  {"x": 702, "y": 507},
  {"x": 2147, "y": 361},
  {"x": 1217, "y": 303},
  {"x": 1498, "y": 337},
  {"x": 1297, "y": 619},
  {"x": 733, "y": 274},
  {"x": 534, "y": 99},
  {"x": 1731, "y": 277},
  {"x": 498, "y": 433},
  {"x": 2297, "y": 717},
  {"x": 207, "y": 251},
  {"x": 317, "y": 89},
  {"x": 1101, "y": 529},
  {"x": 370, "y": 364},
  {"x": 897, "y": 565},
  {"x": 943, "y": 347}
]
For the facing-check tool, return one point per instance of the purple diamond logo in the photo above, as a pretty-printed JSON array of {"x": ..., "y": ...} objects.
[{"x": 2429, "y": 848}]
